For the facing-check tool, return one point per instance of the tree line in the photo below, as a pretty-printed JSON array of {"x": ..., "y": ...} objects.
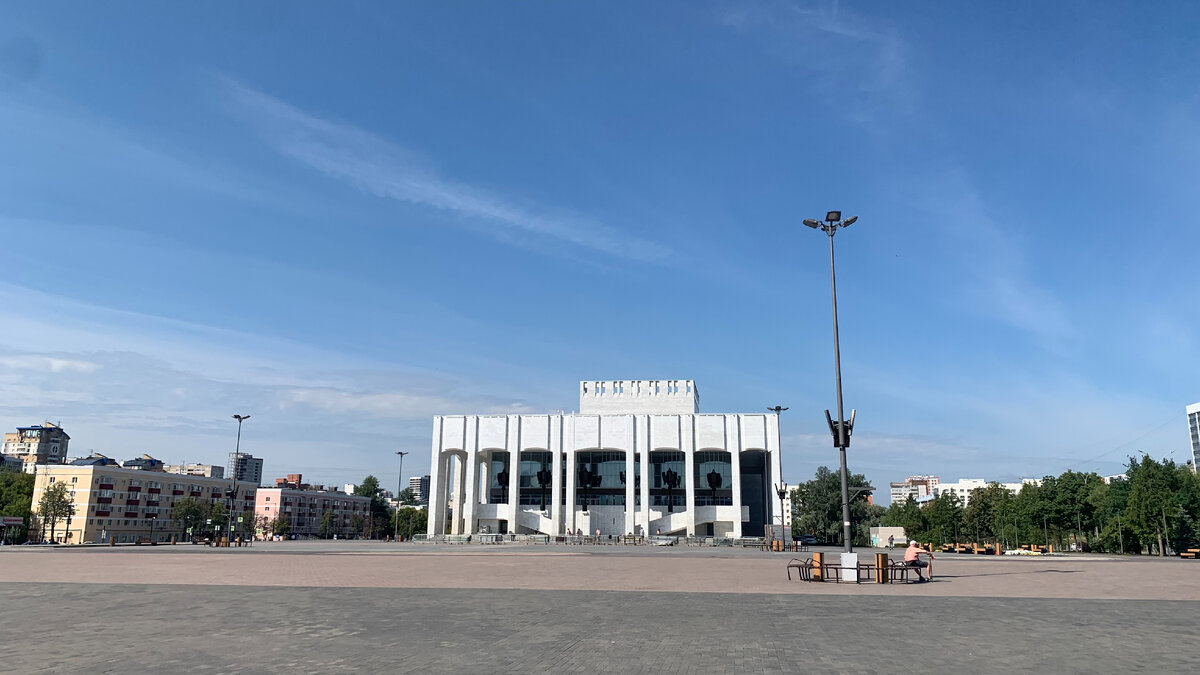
[{"x": 1154, "y": 508}]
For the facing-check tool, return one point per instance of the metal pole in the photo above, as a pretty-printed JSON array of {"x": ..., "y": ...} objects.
[
  {"x": 399, "y": 482},
  {"x": 837, "y": 366},
  {"x": 1120, "y": 533}
]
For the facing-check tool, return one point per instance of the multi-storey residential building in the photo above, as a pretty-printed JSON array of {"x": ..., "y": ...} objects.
[
  {"x": 245, "y": 467},
  {"x": 125, "y": 504},
  {"x": 303, "y": 506},
  {"x": 42, "y": 444},
  {"x": 206, "y": 470},
  {"x": 420, "y": 488},
  {"x": 919, "y": 488},
  {"x": 965, "y": 486},
  {"x": 638, "y": 457},
  {"x": 1193, "y": 414}
]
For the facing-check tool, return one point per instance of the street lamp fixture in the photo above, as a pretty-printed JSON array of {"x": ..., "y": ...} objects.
[
  {"x": 781, "y": 491},
  {"x": 237, "y": 449},
  {"x": 842, "y": 428}
]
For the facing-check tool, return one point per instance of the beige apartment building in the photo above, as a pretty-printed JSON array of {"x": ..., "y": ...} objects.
[{"x": 125, "y": 505}]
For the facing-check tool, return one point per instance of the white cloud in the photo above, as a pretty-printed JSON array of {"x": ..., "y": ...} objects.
[
  {"x": 862, "y": 58},
  {"x": 40, "y": 362},
  {"x": 385, "y": 169}
]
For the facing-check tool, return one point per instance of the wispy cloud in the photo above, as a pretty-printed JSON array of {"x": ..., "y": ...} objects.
[
  {"x": 386, "y": 169},
  {"x": 863, "y": 59}
]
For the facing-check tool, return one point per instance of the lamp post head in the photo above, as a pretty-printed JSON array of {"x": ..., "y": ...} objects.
[
  {"x": 402, "y": 452},
  {"x": 833, "y": 216},
  {"x": 814, "y": 224},
  {"x": 239, "y": 418},
  {"x": 849, "y": 221}
]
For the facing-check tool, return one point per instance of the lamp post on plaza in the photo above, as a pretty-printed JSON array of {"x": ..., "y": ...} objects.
[
  {"x": 670, "y": 478},
  {"x": 399, "y": 483},
  {"x": 237, "y": 449},
  {"x": 544, "y": 476},
  {"x": 781, "y": 492},
  {"x": 152, "y": 517},
  {"x": 842, "y": 429},
  {"x": 231, "y": 495}
]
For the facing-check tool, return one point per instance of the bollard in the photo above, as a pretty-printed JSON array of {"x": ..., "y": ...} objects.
[
  {"x": 881, "y": 568},
  {"x": 818, "y": 570},
  {"x": 112, "y": 541}
]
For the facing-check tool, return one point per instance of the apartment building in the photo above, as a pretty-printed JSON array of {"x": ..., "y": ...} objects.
[
  {"x": 305, "y": 505},
  {"x": 45, "y": 443},
  {"x": 206, "y": 470},
  {"x": 115, "y": 503}
]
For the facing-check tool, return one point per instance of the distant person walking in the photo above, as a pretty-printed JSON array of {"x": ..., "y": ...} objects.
[
  {"x": 891, "y": 541},
  {"x": 912, "y": 558}
]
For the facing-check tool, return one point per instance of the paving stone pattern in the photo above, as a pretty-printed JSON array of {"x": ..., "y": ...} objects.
[{"x": 105, "y": 628}]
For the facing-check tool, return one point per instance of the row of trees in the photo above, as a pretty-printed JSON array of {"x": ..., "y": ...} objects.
[{"x": 1154, "y": 509}]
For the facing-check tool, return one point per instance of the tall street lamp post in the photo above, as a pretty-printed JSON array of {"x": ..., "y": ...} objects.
[
  {"x": 842, "y": 428},
  {"x": 399, "y": 483},
  {"x": 237, "y": 468}
]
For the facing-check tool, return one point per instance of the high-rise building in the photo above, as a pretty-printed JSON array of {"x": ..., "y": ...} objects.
[
  {"x": 1193, "y": 413},
  {"x": 42, "y": 444},
  {"x": 420, "y": 488},
  {"x": 245, "y": 467}
]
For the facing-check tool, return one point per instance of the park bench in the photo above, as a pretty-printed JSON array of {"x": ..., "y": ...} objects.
[
  {"x": 1193, "y": 553},
  {"x": 631, "y": 539}
]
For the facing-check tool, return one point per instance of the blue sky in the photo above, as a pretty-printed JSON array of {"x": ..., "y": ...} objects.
[{"x": 344, "y": 219}]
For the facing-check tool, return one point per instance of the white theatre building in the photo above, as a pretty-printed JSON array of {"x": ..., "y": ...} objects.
[{"x": 638, "y": 458}]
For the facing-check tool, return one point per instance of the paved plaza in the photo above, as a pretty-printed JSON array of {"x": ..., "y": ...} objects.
[{"x": 322, "y": 607}]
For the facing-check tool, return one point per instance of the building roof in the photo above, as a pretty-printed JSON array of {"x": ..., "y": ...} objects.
[{"x": 94, "y": 460}]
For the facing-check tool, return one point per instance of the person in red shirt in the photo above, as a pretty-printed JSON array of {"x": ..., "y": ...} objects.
[{"x": 912, "y": 558}]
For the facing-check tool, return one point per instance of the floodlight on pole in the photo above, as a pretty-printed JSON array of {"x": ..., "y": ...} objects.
[
  {"x": 812, "y": 223},
  {"x": 842, "y": 428}
]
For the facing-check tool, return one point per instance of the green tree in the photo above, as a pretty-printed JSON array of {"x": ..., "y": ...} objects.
[
  {"x": 987, "y": 515},
  {"x": 408, "y": 498},
  {"x": 410, "y": 521},
  {"x": 909, "y": 515},
  {"x": 281, "y": 526},
  {"x": 327, "y": 527},
  {"x": 944, "y": 516},
  {"x": 191, "y": 514},
  {"x": 219, "y": 515},
  {"x": 54, "y": 505},
  {"x": 380, "y": 511},
  {"x": 817, "y": 507},
  {"x": 16, "y": 499}
]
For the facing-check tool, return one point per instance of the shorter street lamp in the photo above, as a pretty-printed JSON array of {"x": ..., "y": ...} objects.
[
  {"x": 671, "y": 479},
  {"x": 152, "y": 517},
  {"x": 781, "y": 490},
  {"x": 70, "y": 512},
  {"x": 544, "y": 476},
  {"x": 399, "y": 484},
  {"x": 502, "y": 479},
  {"x": 230, "y": 494},
  {"x": 714, "y": 483}
]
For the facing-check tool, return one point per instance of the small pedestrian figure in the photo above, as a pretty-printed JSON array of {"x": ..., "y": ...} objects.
[{"x": 891, "y": 540}]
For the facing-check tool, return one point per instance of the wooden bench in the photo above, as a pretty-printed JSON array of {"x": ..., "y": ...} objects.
[{"x": 1193, "y": 553}]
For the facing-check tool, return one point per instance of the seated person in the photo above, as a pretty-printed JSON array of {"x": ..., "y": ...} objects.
[{"x": 912, "y": 558}]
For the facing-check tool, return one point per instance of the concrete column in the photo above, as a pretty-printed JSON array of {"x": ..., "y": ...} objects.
[
  {"x": 455, "y": 464},
  {"x": 556, "y": 486},
  {"x": 644, "y": 446},
  {"x": 689, "y": 469},
  {"x": 470, "y": 490},
  {"x": 514, "y": 471},
  {"x": 572, "y": 478},
  {"x": 734, "y": 446},
  {"x": 631, "y": 480},
  {"x": 437, "y": 483}
]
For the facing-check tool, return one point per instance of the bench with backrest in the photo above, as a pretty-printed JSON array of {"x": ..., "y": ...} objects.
[{"x": 1193, "y": 553}]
